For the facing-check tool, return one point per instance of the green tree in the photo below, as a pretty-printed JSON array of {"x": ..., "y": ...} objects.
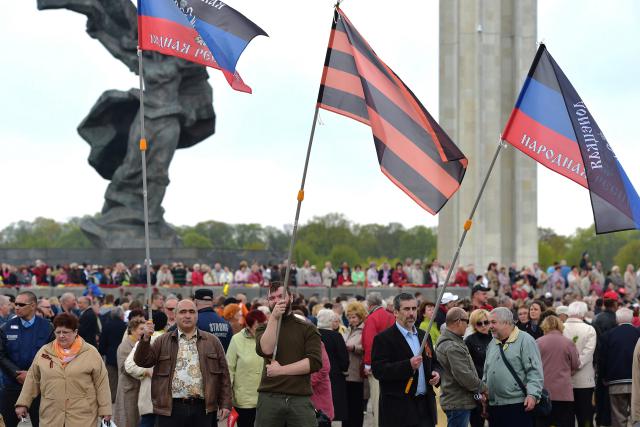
[
  {"x": 194, "y": 240},
  {"x": 303, "y": 251},
  {"x": 340, "y": 253},
  {"x": 417, "y": 242},
  {"x": 628, "y": 254}
]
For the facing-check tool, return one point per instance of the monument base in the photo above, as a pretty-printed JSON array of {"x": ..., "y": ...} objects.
[{"x": 115, "y": 236}]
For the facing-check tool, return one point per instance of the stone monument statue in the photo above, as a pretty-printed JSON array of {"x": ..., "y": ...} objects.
[{"x": 178, "y": 114}]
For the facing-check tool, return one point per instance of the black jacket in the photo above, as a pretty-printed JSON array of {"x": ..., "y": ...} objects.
[
  {"x": 477, "y": 344},
  {"x": 339, "y": 360},
  {"x": 88, "y": 326},
  {"x": 110, "y": 339},
  {"x": 391, "y": 366},
  {"x": 615, "y": 358}
]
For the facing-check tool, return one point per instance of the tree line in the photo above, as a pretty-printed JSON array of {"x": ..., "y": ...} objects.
[{"x": 335, "y": 238}]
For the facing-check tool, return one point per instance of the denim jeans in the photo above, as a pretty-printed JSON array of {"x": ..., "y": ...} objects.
[
  {"x": 147, "y": 420},
  {"x": 458, "y": 417}
]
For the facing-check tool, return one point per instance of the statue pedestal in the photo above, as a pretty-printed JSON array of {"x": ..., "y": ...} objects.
[{"x": 122, "y": 235}]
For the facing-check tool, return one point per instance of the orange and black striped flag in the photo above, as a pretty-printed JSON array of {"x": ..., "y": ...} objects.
[{"x": 413, "y": 150}]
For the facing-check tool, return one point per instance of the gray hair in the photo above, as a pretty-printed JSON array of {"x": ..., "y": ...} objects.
[
  {"x": 402, "y": 296},
  {"x": 325, "y": 316},
  {"x": 4, "y": 300},
  {"x": 374, "y": 299},
  {"x": 117, "y": 313},
  {"x": 624, "y": 315},
  {"x": 66, "y": 296},
  {"x": 503, "y": 314},
  {"x": 578, "y": 309}
]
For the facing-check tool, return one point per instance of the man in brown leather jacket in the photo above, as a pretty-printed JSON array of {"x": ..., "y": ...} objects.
[{"x": 190, "y": 376}]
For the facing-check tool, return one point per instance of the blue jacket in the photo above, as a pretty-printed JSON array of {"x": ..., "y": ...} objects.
[
  {"x": 19, "y": 345},
  {"x": 615, "y": 356},
  {"x": 210, "y": 321}
]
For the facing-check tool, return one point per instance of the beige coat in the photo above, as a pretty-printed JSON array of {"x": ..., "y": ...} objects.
[
  {"x": 126, "y": 406},
  {"x": 73, "y": 396}
]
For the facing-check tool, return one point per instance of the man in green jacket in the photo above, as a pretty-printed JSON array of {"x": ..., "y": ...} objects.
[
  {"x": 508, "y": 406},
  {"x": 460, "y": 386}
]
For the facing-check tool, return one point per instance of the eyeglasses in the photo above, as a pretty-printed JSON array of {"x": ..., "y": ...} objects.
[
  {"x": 170, "y": 308},
  {"x": 22, "y": 304},
  {"x": 482, "y": 323}
]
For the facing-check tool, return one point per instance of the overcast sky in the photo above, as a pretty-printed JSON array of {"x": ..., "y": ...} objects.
[{"x": 250, "y": 170}]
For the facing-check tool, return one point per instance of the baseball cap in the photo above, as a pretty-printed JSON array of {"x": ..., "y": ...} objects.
[
  {"x": 447, "y": 297},
  {"x": 478, "y": 288},
  {"x": 610, "y": 295},
  {"x": 203, "y": 295}
]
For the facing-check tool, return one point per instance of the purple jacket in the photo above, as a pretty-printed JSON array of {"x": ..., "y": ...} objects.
[{"x": 560, "y": 359}]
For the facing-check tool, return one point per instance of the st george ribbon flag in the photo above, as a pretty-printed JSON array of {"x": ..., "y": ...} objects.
[
  {"x": 413, "y": 150},
  {"x": 552, "y": 124},
  {"x": 208, "y": 32}
]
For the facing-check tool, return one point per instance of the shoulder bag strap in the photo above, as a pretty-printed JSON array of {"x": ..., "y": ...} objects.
[{"x": 513, "y": 373}]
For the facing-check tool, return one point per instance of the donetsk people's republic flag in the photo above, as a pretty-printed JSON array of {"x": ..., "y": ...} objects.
[
  {"x": 208, "y": 32},
  {"x": 413, "y": 150},
  {"x": 552, "y": 124}
]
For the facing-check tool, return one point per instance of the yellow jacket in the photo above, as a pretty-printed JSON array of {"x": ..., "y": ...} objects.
[
  {"x": 71, "y": 397},
  {"x": 245, "y": 369}
]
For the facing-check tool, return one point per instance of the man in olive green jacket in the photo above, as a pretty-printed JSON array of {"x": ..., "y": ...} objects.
[{"x": 460, "y": 384}]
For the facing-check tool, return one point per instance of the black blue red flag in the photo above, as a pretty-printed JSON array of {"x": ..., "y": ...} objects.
[
  {"x": 413, "y": 151},
  {"x": 552, "y": 124},
  {"x": 208, "y": 32}
]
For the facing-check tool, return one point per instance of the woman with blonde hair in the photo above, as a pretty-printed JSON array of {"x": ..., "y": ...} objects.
[
  {"x": 477, "y": 344},
  {"x": 356, "y": 314},
  {"x": 71, "y": 379},
  {"x": 560, "y": 360}
]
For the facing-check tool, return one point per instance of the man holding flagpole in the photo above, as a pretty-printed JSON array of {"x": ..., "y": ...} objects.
[
  {"x": 406, "y": 374},
  {"x": 285, "y": 388}
]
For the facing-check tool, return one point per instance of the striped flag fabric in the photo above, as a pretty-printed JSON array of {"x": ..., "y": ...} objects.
[
  {"x": 552, "y": 124},
  {"x": 413, "y": 151}
]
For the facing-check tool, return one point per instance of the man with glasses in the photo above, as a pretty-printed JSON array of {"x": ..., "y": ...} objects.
[
  {"x": 45, "y": 307},
  {"x": 460, "y": 387},
  {"x": 20, "y": 340},
  {"x": 170, "y": 310},
  {"x": 407, "y": 372}
]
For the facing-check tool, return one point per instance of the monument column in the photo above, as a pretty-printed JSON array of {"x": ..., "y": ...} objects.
[{"x": 486, "y": 49}]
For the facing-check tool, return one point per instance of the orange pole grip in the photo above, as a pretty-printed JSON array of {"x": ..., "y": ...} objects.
[
  {"x": 408, "y": 387},
  {"x": 300, "y": 195},
  {"x": 467, "y": 224},
  {"x": 143, "y": 144}
]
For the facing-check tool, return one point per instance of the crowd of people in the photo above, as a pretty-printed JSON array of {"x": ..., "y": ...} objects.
[{"x": 529, "y": 346}]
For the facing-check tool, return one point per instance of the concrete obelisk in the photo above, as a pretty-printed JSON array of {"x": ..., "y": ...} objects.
[{"x": 486, "y": 49}]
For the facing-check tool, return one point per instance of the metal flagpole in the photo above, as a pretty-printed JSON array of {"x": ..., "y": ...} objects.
[
  {"x": 467, "y": 227},
  {"x": 295, "y": 224},
  {"x": 143, "y": 151}
]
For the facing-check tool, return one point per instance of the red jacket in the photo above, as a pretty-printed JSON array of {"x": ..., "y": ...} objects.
[
  {"x": 322, "y": 398},
  {"x": 197, "y": 278},
  {"x": 378, "y": 320}
]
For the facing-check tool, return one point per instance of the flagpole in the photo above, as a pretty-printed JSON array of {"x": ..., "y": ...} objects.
[
  {"x": 467, "y": 227},
  {"x": 143, "y": 151},
  {"x": 300, "y": 198}
]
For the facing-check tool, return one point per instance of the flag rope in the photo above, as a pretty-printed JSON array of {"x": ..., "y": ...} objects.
[{"x": 467, "y": 226}]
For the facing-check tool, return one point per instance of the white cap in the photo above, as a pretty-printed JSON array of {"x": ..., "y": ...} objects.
[{"x": 447, "y": 297}]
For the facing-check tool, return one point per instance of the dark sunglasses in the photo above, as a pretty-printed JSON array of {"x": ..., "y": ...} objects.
[
  {"x": 482, "y": 323},
  {"x": 22, "y": 304}
]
